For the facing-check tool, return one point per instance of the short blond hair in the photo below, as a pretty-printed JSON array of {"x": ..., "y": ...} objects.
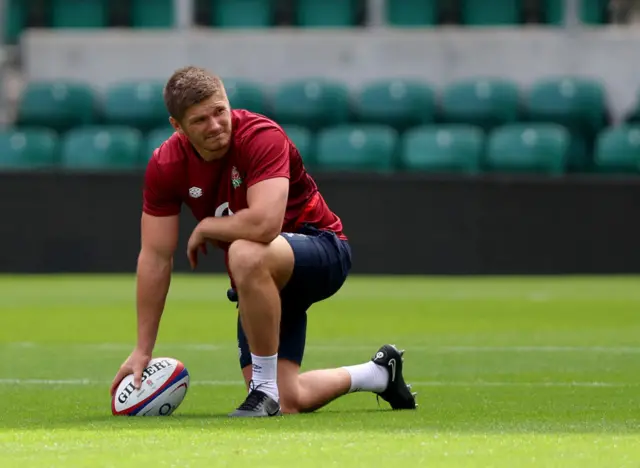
[{"x": 189, "y": 86}]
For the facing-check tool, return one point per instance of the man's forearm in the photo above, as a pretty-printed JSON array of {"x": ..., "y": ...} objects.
[
  {"x": 153, "y": 278},
  {"x": 245, "y": 224}
]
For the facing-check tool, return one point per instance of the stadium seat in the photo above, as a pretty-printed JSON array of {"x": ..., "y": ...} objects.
[
  {"x": 242, "y": 13},
  {"x": 313, "y": 103},
  {"x": 493, "y": 13},
  {"x": 152, "y": 14},
  {"x": 244, "y": 94},
  {"x": 528, "y": 148},
  {"x": 486, "y": 103},
  {"x": 443, "y": 148},
  {"x": 326, "y": 13},
  {"x": 576, "y": 103},
  {"x": 589, "y": 11},
  {"x": 136, "y": 104},
  {"x": 618, "y": 149},
  {"x": 154, "y": 139},
  {"x": 303, "y": 139},
  {"x": 399, "y": 103},
  {"x": 56, "y": 104},
  {"x": 364, "y": 147},
  {"x": 79, "y": 13},
  {"x": 14, "y": 20},
  {"x": 102, "y": 148},
  {"x": 407, "y": 13},
  {"x": 28, "y": 148},
  {"x": 633, "y": 115}
]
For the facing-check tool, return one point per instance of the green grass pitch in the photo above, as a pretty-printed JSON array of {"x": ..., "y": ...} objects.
[{"x": 511, "y": 372}]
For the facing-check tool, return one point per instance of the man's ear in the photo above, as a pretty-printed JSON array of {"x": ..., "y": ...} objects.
[{"x": 175, "y": 124}]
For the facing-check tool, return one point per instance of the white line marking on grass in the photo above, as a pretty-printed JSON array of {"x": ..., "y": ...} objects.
[
  {"x": 526, "y": 384},
  {"x": 543, "y": 349},
  {"x": 163, "y": 347},
  {"x": 49, "y": 382},
  {"x": 430, "y": 383},
  {"x": 92, "y": 382}
]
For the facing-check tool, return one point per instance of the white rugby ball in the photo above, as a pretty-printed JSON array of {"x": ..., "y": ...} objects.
[{"x": 164, "y": 385}]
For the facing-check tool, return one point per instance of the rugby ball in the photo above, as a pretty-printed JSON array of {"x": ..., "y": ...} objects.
[{"x": 164, "y": 385}]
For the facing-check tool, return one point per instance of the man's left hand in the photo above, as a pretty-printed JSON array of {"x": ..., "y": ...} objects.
[{"x": 196, "y": 242}]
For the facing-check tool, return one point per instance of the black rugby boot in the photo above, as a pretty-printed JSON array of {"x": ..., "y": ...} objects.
[
  {"x": 257, "y": 404},
  {"x": 398, "y": 393}
]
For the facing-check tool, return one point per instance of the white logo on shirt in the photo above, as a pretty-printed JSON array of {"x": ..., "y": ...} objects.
[
  {"x": 223, "y": 210},
  {"x": 195, "y": 192}
]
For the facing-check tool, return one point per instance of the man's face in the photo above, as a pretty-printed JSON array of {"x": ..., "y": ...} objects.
[{"x": 208, "y": 125}]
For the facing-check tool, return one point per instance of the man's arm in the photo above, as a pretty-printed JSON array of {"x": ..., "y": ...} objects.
[
  {"x": 155, "y": 263},
  {"x": 267, "y": 182},
  {"x": 159, "y": 238},
  {"x": 260, "y": 222}
]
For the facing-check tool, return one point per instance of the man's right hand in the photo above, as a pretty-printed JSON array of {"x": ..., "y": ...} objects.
[{"x": 135, "y": 364}]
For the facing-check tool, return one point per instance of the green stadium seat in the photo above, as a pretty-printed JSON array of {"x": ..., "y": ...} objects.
[
  {"x": 80, "y": 13},
  {"x": 399, "y": 103},
  {"x": 136, "y": 104},
  {"x": 102, "y": 148},
  {"x": 589, "y": 11},
  {"x": 152, "y": 14},
  {"x": 242, "y": 13},
  {"x": 528, "y": 148},
  {"x": 363, "y": 147},
  {"x": 28, "y": 148},
  {"x": 154, "y": 139},
  {"x": 486, "y": 103},
  {"x": 326, "y": 13},
  {"x": 618, "y": 149},
  {"x": 579, "y": 104},
  {"x": 57, "y": 104},
  {"x": 313, "y": 103},
  {"x": 14, "y": 20},
  {"x": 491, "y": 13},
  {"x": 633, "y": 116},
  {"x": 443, "y": 148},
  {"x": 303, "y": 139},
  {"x": 407, "y": 13},
  {"x": 244, "y": 94}
]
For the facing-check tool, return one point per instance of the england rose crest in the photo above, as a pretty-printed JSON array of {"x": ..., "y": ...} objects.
[{"x": 236, "y": 180}]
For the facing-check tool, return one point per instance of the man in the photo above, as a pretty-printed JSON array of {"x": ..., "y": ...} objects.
[{"x": 245, "y": 183}]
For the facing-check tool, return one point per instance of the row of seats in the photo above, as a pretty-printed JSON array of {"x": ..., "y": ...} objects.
[
  {"x": 579, "y": 104},
  {"x": 315, "y": 103},
  {"x": 269, "y": 13},
  {"x": 449, "y": 148}
]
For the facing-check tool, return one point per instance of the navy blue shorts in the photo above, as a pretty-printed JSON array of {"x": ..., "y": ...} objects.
[{"x": 322, "y": 263}]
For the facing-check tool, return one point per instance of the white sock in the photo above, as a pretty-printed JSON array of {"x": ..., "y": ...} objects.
[
  {"x": 368, "y": 377},
  {"x": 265, "y": 372}
]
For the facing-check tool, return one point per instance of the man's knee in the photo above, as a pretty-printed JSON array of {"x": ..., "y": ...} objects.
[
  {"x": 290, "y": 396},
  {"x": 246, "y": 258},
  {"x": 289, "y": 387},
  {"x": 249, "y": 259},
  {"x": 288, "y": 406}
]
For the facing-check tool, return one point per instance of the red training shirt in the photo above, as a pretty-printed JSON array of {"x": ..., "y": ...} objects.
[{"x": 259, "y": 150}]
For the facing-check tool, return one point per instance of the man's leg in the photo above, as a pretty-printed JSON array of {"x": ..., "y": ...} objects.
[
  {"x": 260, "y": 271},
  {"x": 321, "y": 265},
  {"x": 303, "y": 393},
  {"x": 310, "y": 391},
  {"x": 298, "y": 393}
]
